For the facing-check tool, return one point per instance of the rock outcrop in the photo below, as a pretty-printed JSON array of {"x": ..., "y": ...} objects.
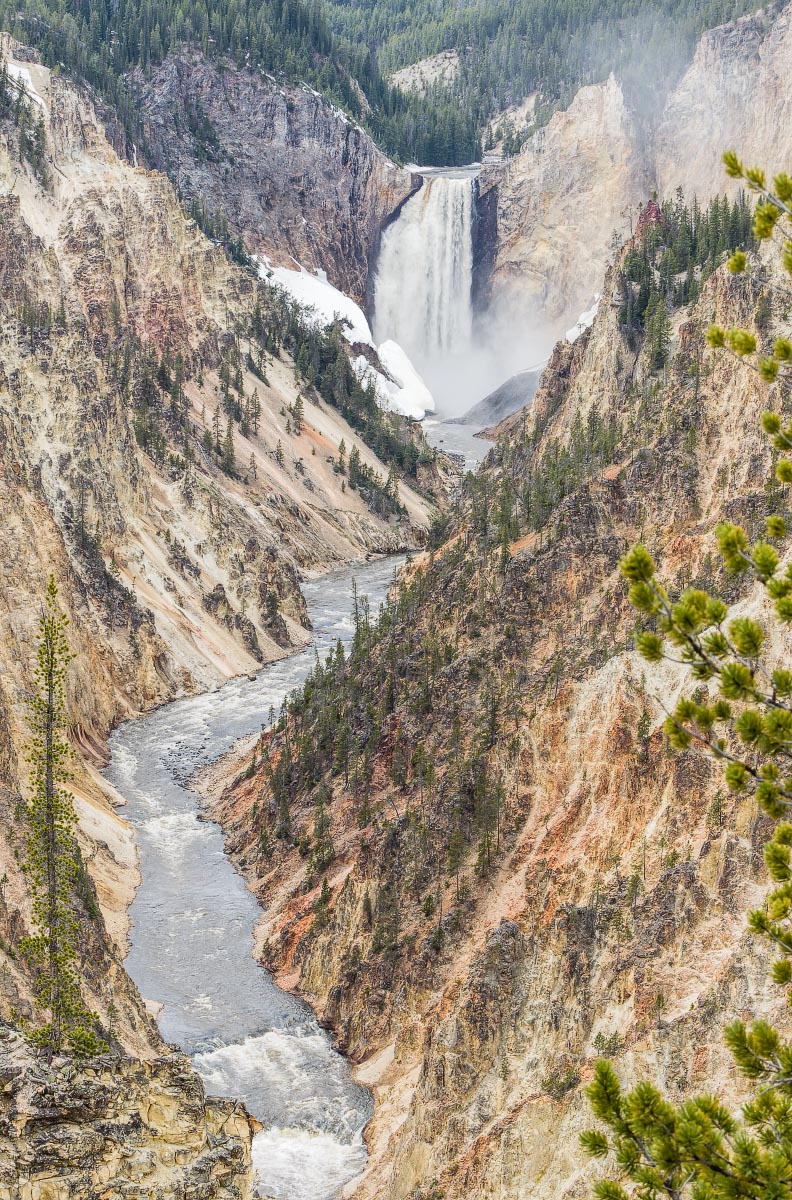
[
  {"x": 294, "y": 176},
  {"x": 118, "y": 1127},
  {"x": 558, "y": 204},
  {"x": 734, "y": 96}
]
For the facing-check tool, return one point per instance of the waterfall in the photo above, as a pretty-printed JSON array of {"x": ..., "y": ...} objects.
[{"x": 422, "y": 289}]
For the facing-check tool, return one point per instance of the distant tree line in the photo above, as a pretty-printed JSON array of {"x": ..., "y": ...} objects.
[
  {"x": 678, "y": 248},
  {"x": 510, "y": 49},
  {"x": 507, "y": 51}
]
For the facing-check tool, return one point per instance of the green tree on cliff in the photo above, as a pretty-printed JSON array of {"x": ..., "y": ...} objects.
[
  {"x": 740, "y": 711},
  {"x": 53, "y": 862}
]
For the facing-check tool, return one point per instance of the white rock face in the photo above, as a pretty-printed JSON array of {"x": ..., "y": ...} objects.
[
  {"x": 736, "y": 94},
  {"x": 582, "y": 177},
  {"x": 420, "y": 76},
  {"x": 559, "y": 202}
]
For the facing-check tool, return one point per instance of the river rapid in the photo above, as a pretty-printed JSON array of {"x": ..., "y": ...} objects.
[{"x": 192, "y": 921}]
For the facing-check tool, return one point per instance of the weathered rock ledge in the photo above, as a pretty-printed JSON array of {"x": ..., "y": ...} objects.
[{"x": 117, "y": 1127}]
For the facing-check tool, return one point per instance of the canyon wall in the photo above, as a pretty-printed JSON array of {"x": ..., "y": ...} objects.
[
  {"x": 114, "y": 305},
  {"x": 558, "y": 204},
  {"x": 604, "y": 911},
  {"x": 581, "y": 179},
  {"x": 295, "y": 177}
]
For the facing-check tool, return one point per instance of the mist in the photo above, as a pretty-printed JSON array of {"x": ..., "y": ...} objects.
[
  {"x": 423, "y": 301},
  {"x": 495, "y": 353}
]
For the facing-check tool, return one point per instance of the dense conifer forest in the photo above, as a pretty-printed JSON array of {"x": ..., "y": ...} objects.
[
  {"x": 507, "y": 52},
  {"x": 510, "y": 50}
]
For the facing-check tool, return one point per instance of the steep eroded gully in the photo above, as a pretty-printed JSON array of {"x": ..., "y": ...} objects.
[{"x": 193, "y": 916}]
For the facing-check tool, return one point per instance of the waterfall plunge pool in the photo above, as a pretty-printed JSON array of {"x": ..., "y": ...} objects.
[{"x": 192, "y": 920}]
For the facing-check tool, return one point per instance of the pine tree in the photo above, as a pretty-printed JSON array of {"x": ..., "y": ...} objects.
[
  {"x": 740, "y": 712},
  {"x": 255, "y": 411},
  {"x": 322, "y": 905},
  {"x": 456, "y": 853},
  {"x": 53, "y": 862},
  {"x": 298, "y": 412},
  {"x": 323, "y": 849},
  {"x": 229, "y": 458},
  {"x": 354, "y": 467}
]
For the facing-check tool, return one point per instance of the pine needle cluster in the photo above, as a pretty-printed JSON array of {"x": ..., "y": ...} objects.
[{"x": 740, "y": 712}]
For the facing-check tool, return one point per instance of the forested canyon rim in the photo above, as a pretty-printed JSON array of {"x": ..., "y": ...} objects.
[{"x": 474, "y": 856}]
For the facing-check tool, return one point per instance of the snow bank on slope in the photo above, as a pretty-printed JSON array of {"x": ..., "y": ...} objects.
[
  {"x": 400, "y": 388},
  {"x": 411, "y": 388},
  {"x": 584, "y": 321},
  {"x": 327, "y": 303},
  {"x": 21, "y": 75}
]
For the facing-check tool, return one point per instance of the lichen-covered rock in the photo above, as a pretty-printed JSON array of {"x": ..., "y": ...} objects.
[{"x": 117, "y": 1127}]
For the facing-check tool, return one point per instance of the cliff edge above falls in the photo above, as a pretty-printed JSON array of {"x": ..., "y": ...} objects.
[{"x": 296, "y": 178}]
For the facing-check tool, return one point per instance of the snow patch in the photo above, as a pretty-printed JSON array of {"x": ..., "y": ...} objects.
[
  {"x": 324, "y": 303},
  {"x": 399, "y": 387},
  {"x": 584, "y": 321},
  {"x": 407, "y": 394},
  {"x": 22, "y": 77}
]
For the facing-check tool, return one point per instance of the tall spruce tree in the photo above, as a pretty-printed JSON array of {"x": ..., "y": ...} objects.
[
  {"x": 740, "y": 712},
  {"x": 53, "y": 862}
]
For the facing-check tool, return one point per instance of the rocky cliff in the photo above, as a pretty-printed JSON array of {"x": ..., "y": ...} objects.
[
  {"x": 558, "y": 204},
  {"x": 119, "y": 1127},
  {"x": 520, "y": 877},
  {"x": 581, "y": 179},
  {"x": 294, "y": 176}
]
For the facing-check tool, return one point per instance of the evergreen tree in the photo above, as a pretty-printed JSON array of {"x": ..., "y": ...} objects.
[
  {"x": 740, "y": 712},
  {"x": 53, "y": 861},
  {"x": 355, "y": 468},
  {"x": 298, "y": 413},
  {"x": 229, "y": 458},
  {"x": 255, "y": 411},
  {"x": 322, "y": 905},
  {"x": 456, "y": 853},
  {"x": 323, "y": 851}
]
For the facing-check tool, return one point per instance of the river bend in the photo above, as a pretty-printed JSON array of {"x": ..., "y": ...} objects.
[{"x": 192, "y": 921}]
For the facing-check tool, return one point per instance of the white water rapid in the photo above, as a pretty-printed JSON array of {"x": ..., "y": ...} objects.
[
  {"x": 422, "y": 289},
  {"x": 192, "y": 920}
]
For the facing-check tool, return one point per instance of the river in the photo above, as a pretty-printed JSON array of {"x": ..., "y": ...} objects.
[{"x": 192, "y": 921}]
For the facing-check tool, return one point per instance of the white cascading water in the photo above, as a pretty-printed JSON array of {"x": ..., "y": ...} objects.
[{"x": 422, "y": 290}]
